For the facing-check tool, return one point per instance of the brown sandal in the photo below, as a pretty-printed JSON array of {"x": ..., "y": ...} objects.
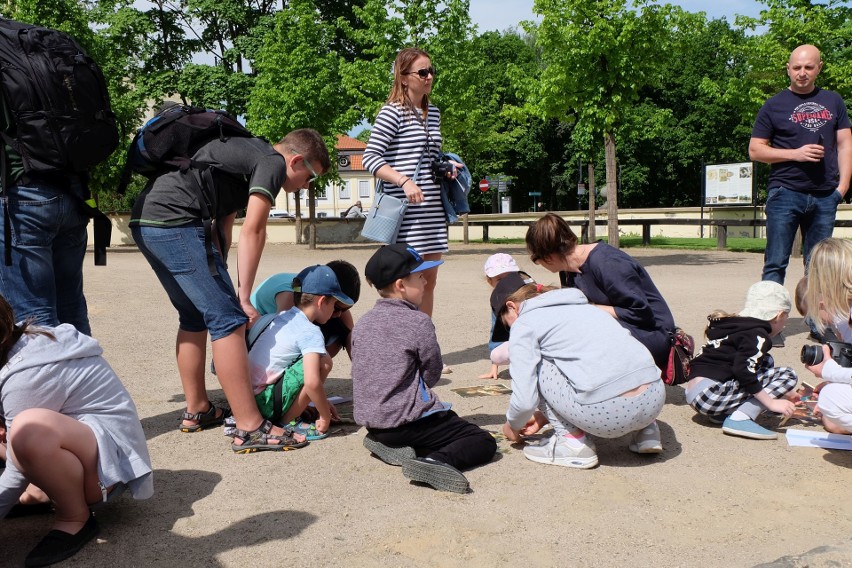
[{"x": 258, "y": 440}]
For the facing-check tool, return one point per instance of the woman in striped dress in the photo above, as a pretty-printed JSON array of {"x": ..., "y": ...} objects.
[{"x": 407, "y": 132}]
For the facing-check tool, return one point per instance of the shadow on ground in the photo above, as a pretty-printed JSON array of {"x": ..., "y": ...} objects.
[{"x": 145, "y": 530}]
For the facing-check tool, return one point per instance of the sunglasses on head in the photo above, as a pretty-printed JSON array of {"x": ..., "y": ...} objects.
[{"x": 423, "y": 73}]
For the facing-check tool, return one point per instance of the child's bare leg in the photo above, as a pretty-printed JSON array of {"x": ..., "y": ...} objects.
[
  {"x": 833, "y": 427},
  {"x": 297, "y": 408},
  {"x": 59, "y": 455},
  {"x": 191, "y": 350}
]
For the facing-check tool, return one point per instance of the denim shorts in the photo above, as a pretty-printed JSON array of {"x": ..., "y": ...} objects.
[{"x": 204, "y": 302}]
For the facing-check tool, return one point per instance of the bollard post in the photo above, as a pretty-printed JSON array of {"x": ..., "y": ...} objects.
[
  {"x": 465, "y": 229},
  {"x": 721, "y": 237}
]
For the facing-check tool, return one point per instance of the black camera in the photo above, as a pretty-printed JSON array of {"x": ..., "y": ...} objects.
[
  {"x": 441, "y": 168},
  {"x": 840, "y": 352}
]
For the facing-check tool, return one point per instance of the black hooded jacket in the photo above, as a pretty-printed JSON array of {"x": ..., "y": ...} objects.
[{"x": 734, "y": 350}]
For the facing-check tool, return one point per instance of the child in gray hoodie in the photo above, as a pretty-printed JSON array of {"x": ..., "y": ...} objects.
[
  {"x": 592, "y": 375},
  {"x": 73, "y": 430}
]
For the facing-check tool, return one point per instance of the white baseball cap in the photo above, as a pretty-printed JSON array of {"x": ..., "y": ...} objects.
[
  {"x": 765, "y": 299},
  {"x": 500, "y": 263}
]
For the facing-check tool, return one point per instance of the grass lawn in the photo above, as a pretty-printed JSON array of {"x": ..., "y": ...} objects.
[{"x": 635, "y": 241}]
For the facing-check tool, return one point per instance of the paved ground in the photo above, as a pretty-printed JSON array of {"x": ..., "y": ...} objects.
[{"x": 708, "y": 500}]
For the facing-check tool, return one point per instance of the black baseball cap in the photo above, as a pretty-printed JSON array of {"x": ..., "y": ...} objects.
[
  {"x": 392, "y": 262},
  {"x": 505, "y": 288}
]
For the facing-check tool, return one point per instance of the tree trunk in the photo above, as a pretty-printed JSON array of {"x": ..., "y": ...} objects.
[
  {"x": 592, "y": 204},
  {"x": 611, "y": 191}
]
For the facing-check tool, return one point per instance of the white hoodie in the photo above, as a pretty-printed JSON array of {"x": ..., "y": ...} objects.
[
  {"x": 599, "y": 357},
  {"x": 71, "y": 377}
]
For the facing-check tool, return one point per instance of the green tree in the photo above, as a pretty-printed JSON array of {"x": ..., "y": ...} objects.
[
  {"x": 682, "y": 121},
  {"x": 597, "y": 55}
]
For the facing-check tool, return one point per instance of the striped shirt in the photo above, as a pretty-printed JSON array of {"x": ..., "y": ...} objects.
[{"x": 398, "y": 139}]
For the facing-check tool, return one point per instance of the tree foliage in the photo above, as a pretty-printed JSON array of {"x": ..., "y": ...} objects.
[{"x": 673, "y": 89}]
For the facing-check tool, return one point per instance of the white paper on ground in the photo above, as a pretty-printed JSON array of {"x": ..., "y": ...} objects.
[{"x": 807, "y": 438}]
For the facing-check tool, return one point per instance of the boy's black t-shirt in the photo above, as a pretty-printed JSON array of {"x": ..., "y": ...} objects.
[
  {"x": 790, "y": 120},
  {"x": 242, "y": 166}
]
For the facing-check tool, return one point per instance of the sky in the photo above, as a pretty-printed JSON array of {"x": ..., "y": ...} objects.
[{"x": 500, "y": 15}]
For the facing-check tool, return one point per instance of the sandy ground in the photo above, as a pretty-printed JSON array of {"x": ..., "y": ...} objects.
[{"x": 708, "y": 500}]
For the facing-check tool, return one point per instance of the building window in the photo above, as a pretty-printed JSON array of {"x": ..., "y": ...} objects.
[
  {"x": 321, "y": 193},
  {"x": 343, "y": 188},
  {"x": 364, "y": 188}
]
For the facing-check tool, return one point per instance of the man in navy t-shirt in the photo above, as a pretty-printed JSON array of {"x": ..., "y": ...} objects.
[{"x": 804, "y": 133}]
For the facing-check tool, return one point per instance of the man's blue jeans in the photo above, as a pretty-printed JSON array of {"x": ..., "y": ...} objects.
[
  {"x": 49, "y": 237},
  {"x": 786, "y": 210}
]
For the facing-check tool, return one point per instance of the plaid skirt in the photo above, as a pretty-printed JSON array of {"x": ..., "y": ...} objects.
[{"x": 723, "y": 398}]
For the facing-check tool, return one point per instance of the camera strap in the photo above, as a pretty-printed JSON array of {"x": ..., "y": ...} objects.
[{"x": 429, "y": 140}]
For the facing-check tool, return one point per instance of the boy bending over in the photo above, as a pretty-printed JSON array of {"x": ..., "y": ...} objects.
[
  {"x": 395, "y": 362},
  {"x": 288, "y": 361}
]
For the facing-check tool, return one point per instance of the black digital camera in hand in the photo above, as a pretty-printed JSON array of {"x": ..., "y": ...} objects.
[
  {"x": 440, "y": 169},
  {"x": 841, "y": 352}
]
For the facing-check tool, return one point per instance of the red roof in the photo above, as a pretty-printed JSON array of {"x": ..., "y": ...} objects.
[{"x": 348, "y": 143}]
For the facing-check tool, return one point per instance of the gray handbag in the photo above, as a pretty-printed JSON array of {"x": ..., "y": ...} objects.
[{"x": 385, "y": 217}]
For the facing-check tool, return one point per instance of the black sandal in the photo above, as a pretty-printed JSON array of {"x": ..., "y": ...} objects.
[
  {"x": 204, "y": 419},
  {"x": 258, "y": 440}
]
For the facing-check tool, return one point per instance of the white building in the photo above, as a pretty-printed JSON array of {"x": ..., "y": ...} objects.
[{"x": 356, "y": 184}]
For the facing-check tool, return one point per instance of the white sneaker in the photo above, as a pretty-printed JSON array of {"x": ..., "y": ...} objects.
[
  {"x": 567, "y": 452},
  {"x": 647, "y": 440}
]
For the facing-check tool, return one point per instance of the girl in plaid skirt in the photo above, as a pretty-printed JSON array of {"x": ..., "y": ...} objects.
[{"x": 733, "y": 380}]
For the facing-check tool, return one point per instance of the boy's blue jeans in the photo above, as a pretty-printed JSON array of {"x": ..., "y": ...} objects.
[
  {"x": 178, "y": 256},
  {"x": 786, "y": 210},
  {"x": 48, "y": 241}
]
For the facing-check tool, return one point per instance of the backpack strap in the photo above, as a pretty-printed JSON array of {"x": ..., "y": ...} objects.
[
  {"x": 206, "y": 176},
  {"x": 258, "y": 328}
]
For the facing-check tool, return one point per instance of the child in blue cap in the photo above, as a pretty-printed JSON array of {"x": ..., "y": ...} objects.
[{"x": 288, "y": 361}]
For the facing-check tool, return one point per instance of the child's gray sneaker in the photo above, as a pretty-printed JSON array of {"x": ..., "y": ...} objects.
[
  {"x": 389, "y": 455},
  {"x": 440, "y": 475},
  {"x": 557, "y": 450},
  {"x": 747, "y": 429},
  {"x": 647, "y": 440}
]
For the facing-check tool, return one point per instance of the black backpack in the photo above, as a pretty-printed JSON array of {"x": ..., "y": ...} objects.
[
  {"x": 58, "y": 100},
  {"x": 169, "y": 140}
]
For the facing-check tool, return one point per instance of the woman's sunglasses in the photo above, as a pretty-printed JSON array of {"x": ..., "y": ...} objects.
[{"x": 423, "y": 73}]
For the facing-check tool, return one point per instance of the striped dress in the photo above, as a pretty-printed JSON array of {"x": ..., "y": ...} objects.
[{"x": 398, "y": 139}]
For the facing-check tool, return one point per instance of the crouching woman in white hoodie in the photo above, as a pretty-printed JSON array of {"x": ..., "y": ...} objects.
[
  {"x": 72, "y": 430},
  {"x": 585, "y": 372}
]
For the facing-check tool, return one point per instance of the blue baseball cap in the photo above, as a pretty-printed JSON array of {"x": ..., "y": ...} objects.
[
  {"x": 320, "y": 280},
  {"x": 392, "y": 262}
]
